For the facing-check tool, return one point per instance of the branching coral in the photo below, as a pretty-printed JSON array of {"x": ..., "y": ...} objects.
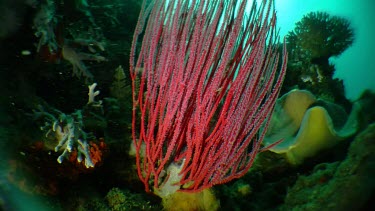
[
  {"x": 67, "y": 130},
  {"x": 322, "y": 36}
]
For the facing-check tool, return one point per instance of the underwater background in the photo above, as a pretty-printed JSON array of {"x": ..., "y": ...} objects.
[{"x": 66, "y": 112}]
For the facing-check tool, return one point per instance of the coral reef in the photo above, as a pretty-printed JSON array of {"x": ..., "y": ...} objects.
[
  {"x": 38, "y": 90},
  {"x": 45, "y": 82},
  {"x": 340, "y": 186},
  {"x": 316, "y": 38}
]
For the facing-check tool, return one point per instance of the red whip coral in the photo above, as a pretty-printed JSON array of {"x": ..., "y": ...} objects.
[{"x": 204, "y": 83}]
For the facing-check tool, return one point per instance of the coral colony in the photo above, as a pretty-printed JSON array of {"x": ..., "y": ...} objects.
[
  {"x": 68, "y": 132},
  {"x": 204, "y": 84}
]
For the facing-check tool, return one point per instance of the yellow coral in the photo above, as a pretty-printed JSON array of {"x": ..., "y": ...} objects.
[{"x": 181, "y": 201}]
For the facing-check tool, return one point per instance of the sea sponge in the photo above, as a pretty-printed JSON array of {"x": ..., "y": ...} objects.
[
  {"x": 308, "y": 125},
  {"x": 181, "y": 201}
]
